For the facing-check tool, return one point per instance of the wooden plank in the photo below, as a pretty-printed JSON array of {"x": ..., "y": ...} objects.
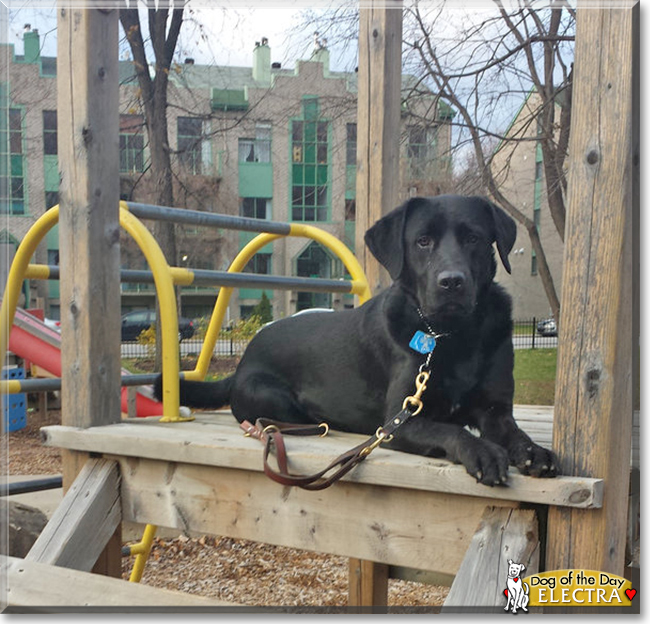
[
  {"x": 37, "y": 585},
  {"x": 217, "y": 441},
  {"x": 502, "y": 535},
  {"x": 84, "y": 521},
  {"x": 378, "y": 124},
  {"x": 594, "y": 396},
  {"x": 424, "y": 530},
  {"x": 368, "y": 584}
]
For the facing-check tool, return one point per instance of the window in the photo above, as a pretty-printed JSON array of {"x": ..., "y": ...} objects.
[
  {"x": 314, "y": 261},
  {"x": 131, "y": 144},
  {"x": 421, "y": 151},
  {"x": 310, "y": 165},
  {"x": 257, "y": 150},
  {"x": 533, "y": 264},
  {"x": 539, "y": 170},
  {"x": 51, "y": 199},
  {"x": 190, "y": 143},
  {"x": 255, "y": 207},
  {"x": 260, "y": 263},
  {"x": 12, "y": 190},
  {"x": 49, "y": 133},
  {"x": 351, "y": 145}
]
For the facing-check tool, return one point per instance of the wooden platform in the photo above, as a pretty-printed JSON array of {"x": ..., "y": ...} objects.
[{"x": 395, "y": 508}]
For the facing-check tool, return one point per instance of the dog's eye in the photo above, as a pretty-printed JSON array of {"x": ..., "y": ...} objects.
[
  {"x": 424, "y": 242},
  {"x": 471, "y": 239}
]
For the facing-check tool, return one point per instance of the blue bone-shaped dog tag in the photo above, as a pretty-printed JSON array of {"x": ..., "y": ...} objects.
[{"x": 422, "y": 343}]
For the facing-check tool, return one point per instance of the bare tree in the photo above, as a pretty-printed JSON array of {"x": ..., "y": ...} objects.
[{"x": 488, "y": 64}]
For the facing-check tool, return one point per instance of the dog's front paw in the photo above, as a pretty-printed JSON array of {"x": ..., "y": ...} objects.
[
  {"x": 534, "y": 460},
  {"x": 158, "y": 388},
  {"x": 486, "y": 461}
]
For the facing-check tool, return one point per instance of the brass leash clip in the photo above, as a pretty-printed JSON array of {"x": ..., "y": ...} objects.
[{"x": 414, "y": 403}]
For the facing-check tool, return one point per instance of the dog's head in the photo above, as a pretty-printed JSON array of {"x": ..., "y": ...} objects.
[
  {"x": 440, "y": 250},
  {"x": 515, "y": 569}
]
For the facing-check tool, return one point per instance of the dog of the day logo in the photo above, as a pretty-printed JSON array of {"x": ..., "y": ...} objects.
[{"x": 566, "y": 588}]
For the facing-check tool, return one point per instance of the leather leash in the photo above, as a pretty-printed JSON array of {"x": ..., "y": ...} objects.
[{"x": 271, "y": 432}]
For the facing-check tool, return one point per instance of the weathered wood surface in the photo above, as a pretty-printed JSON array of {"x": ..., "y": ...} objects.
[
  {"x": 378, "y": 125},
  {"x": 503, "y": 534},
  {"x": 396, "y": 526},
  {"x": 368, "y": 583},
  {"x": 594, "y": 395},
  {"x": 89, "y": 231},
  {"x": 32, "y": 584},
  {"x": 216, "y": 440},
  {"x": 84, "y": 521}
]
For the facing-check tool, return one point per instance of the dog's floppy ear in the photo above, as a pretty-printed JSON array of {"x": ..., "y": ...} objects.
[
  {"x": 385, "y": 239},
  {"x": 505, "y": 232}
]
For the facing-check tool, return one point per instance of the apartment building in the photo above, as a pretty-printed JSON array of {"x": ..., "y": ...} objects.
[{"x": 261, "y": 141}]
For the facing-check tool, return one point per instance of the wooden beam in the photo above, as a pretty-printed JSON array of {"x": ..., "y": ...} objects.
[
  {"x": 216, "y": 440},
  {"x": 37, "y": 586},
  {"x": 388, "y": 525},
  {"x": 593, "y": 401},
  {"x": 378, "y": 124},
  {"x": 503, "y": 534},
  {"x": 84, "y": 521},
  {"x": 88, "y": 114},
  {"x": 89, "y": 232}
]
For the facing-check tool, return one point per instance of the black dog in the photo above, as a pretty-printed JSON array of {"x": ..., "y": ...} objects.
[{"x": 353, "y": 369}]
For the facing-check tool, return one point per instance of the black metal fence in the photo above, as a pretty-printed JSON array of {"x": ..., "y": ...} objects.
[
  {"x": 528, "y": 334},
  {"x": 534, "y": 333},
  {"x": 226, "y": 346}
]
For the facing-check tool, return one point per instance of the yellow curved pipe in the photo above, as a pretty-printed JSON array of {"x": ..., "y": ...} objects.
[
  {"x": 17, "y": 271},
  {"x": 164, "y": 283},
  {"x": 360, "y": 285}
]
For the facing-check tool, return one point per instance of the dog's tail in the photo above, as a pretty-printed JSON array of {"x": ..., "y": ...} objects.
[{"x": 207, "y": 394}]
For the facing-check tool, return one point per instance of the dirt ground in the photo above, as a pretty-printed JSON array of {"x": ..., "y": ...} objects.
[{"x": 240, "y": 571}]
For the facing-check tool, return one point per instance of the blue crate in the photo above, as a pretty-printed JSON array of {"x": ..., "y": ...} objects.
[{"x": 14, "y": 406}]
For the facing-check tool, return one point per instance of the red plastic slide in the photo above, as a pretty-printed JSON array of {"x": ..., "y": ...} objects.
[{"x": 34, "y": 341}]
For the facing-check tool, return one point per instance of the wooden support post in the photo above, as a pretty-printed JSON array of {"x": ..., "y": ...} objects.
[
  {"x": 378, "y": 131},
  {"x": 368, "y": 583},
  {"x": 88, "y": 120},
  {"x": 593, "y": 401},
  {"x": 502, "y": 534},
  {"x": 85, "y": 520},
  {"x": 378, "y": 125}
]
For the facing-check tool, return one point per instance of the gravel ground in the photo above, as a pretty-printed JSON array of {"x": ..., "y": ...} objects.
[{"x": 240, "y": 571}]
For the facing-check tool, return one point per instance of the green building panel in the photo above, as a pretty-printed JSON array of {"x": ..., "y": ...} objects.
[{"x": 255, "y": 180}]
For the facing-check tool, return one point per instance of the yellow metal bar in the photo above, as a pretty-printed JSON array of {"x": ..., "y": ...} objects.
[
  {"x": 341, "y": 251},
  {"x": 164, "y": 282},
  {"x": 37, "y": 271},
  {"x": 18, "y": 270},
  {"x": 143, "y": 550},
  {"x": 360, "y": 285},
  {"x": 10, "y": 386},
  {"x": 216, "y": 321}
]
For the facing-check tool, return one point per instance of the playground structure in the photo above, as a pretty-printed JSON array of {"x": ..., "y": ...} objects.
[{"x": 395, "y": 509}]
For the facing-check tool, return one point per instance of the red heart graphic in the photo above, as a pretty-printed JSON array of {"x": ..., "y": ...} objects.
[
  {"x": 630, "y": 593},
  {"x": 505, "y": 591},
  {"x": 516, "y": 579}
]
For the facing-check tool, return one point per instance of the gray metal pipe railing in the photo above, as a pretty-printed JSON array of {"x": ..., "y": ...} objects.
[
  {"x": 197, "y": 217},
  {"x": 53, "y": 384},
  {"x": 204, "y": 277}
]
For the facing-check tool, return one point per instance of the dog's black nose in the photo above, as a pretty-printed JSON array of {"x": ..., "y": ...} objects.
[{"x": 451, "y": 280}]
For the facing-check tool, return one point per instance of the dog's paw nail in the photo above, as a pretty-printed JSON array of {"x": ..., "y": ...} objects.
[
  {"x": 479, "y": 475},
  {"x": 544, "y": 467},
  {"x": 529, "y": 449},
  {"x": 529, "y": 462}
]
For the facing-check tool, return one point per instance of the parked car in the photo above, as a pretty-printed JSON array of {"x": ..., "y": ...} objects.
[
  {"x": 135, "y": 322},
  {"x": 547, "y": 327}
]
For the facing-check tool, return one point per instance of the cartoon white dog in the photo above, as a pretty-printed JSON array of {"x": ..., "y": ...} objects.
[{"x": 517, "y": 589}]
